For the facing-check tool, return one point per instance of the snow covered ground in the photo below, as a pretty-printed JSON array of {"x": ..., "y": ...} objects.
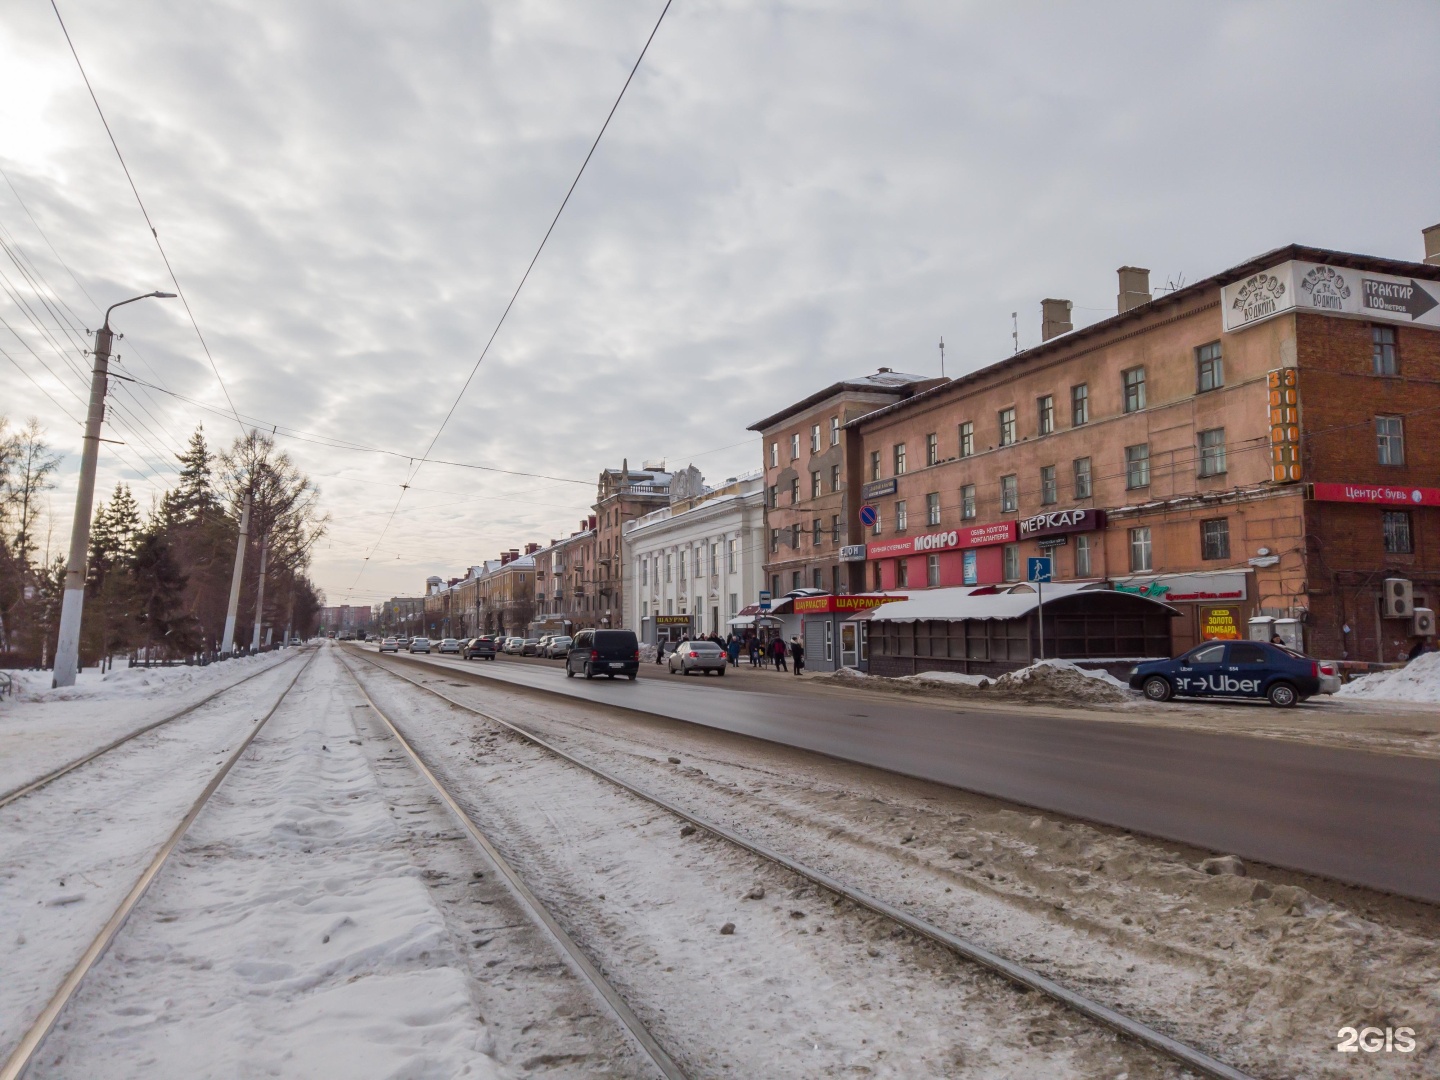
[{"x": 1418, "y": 682}]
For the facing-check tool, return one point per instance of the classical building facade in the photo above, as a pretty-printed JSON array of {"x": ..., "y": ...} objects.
[
  {"x": 1262, "y": 444},
  {"x": 698, "y": 561},
  {"x": 807, "y": 472}
]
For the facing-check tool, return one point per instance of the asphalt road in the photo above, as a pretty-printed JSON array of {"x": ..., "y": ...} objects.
[{"x": 1368, "y": 818}]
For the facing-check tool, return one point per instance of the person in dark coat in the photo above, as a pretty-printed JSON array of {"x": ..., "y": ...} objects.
[
  {"x": 754, "y": 651},
  {"x": 777, "y": 650},
  {"x": 797, "y": 653}
]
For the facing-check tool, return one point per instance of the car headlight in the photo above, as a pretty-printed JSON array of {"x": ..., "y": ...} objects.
[{"x": 1135, "y": 671}]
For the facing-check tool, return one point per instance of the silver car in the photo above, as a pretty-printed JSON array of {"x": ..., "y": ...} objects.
[
  {"x": 702, "y": 656},
  {"x": 449, "y": 644},
  {"x": 420, "y": 644},
  {"x": 390, "y": 644},
  {"x": 559, "y": 645}
]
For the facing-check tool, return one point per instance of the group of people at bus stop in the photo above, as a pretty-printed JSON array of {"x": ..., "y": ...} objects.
[{"x": 784, "y": 656}]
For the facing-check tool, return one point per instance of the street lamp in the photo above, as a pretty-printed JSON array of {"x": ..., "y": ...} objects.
[{"x": 67, "y": 649}]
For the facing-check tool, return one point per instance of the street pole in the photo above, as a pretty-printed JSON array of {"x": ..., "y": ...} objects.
[
  {"x": 227, "y": 642},
  {"x": 1040, "y": 610},
  {"x": 72, "y": 607},
  {"x": 260, "y": 593}
]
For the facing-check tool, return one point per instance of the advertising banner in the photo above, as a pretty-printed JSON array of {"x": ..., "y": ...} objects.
[
  {"x": 1331, "y": 290},
  {"x": 999, "y": 532},
  {"x": 1186, "y": 588},
  {"x": 1377, "y": 494},
  {"x": 820, "y": 605},
  {"x": 1062, "y": 522}
]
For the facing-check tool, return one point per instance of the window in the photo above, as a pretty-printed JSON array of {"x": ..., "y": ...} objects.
[
  {"x": 834, "y": 528},
  {"x": 794, "y": 490},
  {"x": 1134, "y": 381},
  {"x": 834, "y": 477},
  {"x": 732, "y": 555},
  {"x": 1137, "y": 466},
  {"x": 875, "y": 529},
  {"x": 1382, "y": 348},
  {"x": 1215, "y": 538},
  {"x": 1212, "y": 452},
  {"x": 1045, "y": 406},
  {"x": 1140, "y": 549},
  {"x": 1049, "y": 488},
  {"x": 1007, "y": 426},
  {"x": 774, "y": 455},
  {"x": 1009, "y": 493},
  {"x": 902, "y": 573},
  {"x": 796, "y": 581},
  {"x": 644, "y": 608},
  {"x": 900, "y": 459},
  {"x": 1083, "y": 550},
  {"x": 815, "y": 484},
  {"x": 834, "y": 431},
  {"x": 1390, "y": 439},
  {"x": 734, "y": 604},
  {"x": 874, "y": 464},
  {"x": 644, "y": 572},
  {"x": 967, "y": 502},
  {"x": 795, "y": 536},
  {"x": 967, "y": 439},
  {"x": 775, "y": 585},
  {"x": 932, "y": 508},
  {"x": 1083, "y": 489},
  {"x": 879, "y": 580},
  {"x": 1012, "y": 562},
  {"x": 835, "y": 580},
  {"x": 670, "y": 559},
  {"x": 1210, "y": 367},
  {"x": 772, "y": 496},
  {"x": 669, "y": 607},
  {"x": 932, "y": 449},
  {"x": 1397, "y": 532},
  {"x": 817, "y": 578},
  {"x": 794, "y": 446},
  {"x": 814, "y": 438},
  {"x": 1079, "y": 404},
  {"x": 682, "y": 566},
  {"x": 815, "y": 532},
  {"x": 714, "y": 558},
  {"x": 902, "y": 521},
  {"x": 774, "y": 546},
  {"x": 932, "y": 570}
]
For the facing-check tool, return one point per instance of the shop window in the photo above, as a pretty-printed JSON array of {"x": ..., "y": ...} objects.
[
  {"x": 902, "y": 573},
  {"x": 1007, "y": 427},
  {"x": 1009, "y": 494},
  {"x": 1134, "y": 386},
  {"x": 1140, "y": 560},
  {"x": 1209, "y": 368},
  {"x": 967, "y": 438},
  {"x": 1137, "y": 466},
  {"x": 932, "y": 508},
  {"x": 1045, "y": 407},
  {"x": 1212, "y": 452},
  {"x": 1390, "y": 439},
  {"x": 1049, "y": 486},
  {"x": 1011, "y": 560},
  {"x": 1083, "y": 489},
  {"x": 932, "y": 449},
  {"x": 1079, "y": 404},
  {"x": 1398, "y": 538},
  {"x": 1215, "y": 539},
  {"x": 932, "y": 570},
  {"x": 967, "y": 502},
  {"x": 1382, "y": 350},
  {"x": 879, "y": 579},
  {"x": 1083, "y": 551}
]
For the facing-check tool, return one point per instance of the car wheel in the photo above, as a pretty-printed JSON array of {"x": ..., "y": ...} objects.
[
  {"x": 1282, "y": 695},
  {"x": 630, "y": 677},
  {"x": 569, "y": 672},
  {"x": 1157, "y": 688},
  {"x": 588, "y": 673},
  {"x": 722, "y": 671}
]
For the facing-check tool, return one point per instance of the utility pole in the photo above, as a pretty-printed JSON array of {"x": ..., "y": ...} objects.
[
  {"x": 227, "y": 643},
  {"x": 260, "y": 592},
  {"x": 72, "y": 607}
]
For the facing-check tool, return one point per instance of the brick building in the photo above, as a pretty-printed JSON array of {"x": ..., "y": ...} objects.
[
  {"x": 807, "y": 473},
  {"x": 566, "y": 599},
  {"x": 1264, "y": 442},
  {"x": 620, "y": 496}
]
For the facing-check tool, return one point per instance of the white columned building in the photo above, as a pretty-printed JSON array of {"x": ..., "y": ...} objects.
[{"x": 697, "y": 562}]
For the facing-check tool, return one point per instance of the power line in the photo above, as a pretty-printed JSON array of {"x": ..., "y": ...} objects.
[{"x": 146, "y": 214}]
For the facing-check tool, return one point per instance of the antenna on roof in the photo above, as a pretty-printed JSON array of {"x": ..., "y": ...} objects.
[
  {"x": 1015, "y": 329},
  {"x": 942, "y": 357}
]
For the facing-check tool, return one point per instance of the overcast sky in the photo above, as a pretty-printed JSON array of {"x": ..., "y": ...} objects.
[{"x": 789, "y": 194}]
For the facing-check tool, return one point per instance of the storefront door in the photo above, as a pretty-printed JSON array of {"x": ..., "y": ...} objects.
[{"x": 849, "y": 655}]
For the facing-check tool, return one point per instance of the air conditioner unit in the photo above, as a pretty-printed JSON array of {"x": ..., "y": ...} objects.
[
  {"x": 1398, "y": 599},
  {"x": 1423, "y": 624}
]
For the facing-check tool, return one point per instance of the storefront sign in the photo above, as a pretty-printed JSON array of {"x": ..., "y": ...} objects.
[
  {"x": 1220, "y": 624},
  {"x": 1377, "y": 494},
  {"x": 877, "y": 488},
  {"x": 1186, "y": 588},
  {"x": 820, "y": 605},
  {"x": 852, "y": 553},
  {"x": 1060, "y": 522},
  {"x": 970, "y": 567},
  {"x": 1307, "y": 286},
  {"x": 672, "y": 620},
  {"x": 1000, "y": 532}
]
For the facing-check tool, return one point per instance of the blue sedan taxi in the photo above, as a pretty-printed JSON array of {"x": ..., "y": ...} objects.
[{"x": 1246, "y": 669}]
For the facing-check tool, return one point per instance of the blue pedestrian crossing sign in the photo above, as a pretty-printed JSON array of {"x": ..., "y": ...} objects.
[{"x": 1039, "y": 569}]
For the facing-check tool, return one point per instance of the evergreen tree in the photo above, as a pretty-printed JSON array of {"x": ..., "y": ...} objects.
[
  {"x": 195, "y": 498},
  {"x": 160, "y": 598}
]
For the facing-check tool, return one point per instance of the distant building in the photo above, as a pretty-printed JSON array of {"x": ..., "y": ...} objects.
[
  {"x": 345, "y": 619},
  {"x": 621, "y": 495}
]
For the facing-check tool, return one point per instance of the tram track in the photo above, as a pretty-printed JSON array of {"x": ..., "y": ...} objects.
[
  {"x": 968, "y": 950},
  {"x": 25, "y": 1052}
]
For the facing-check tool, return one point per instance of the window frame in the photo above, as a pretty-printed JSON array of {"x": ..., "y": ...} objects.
[
  {"x": 967, "y": 438},
  {"x": 897, "y": 458},
  {"x": 1079, "y": 404},
  {"x": 932, "y": 449},
  {"x": 1137, "y": 467},
  {"x": 932, "y": 570},
  {"x": 967, "y": 502},
  {"x": 1087, "y": 474},
  {"x": 1212, "y": 456},
  {"x": 1045, "y": 413},
  {"x": 1215, "y": 539},
  {"x": 834, "y": 478},
  {"x": 874, "y": 465},
  {"x": 1132, "y": 389},
  {"x": 1392, "y": 523},
  {"x": 834, "y": 431},
  {"x": 1009, "y": 428},
  {"x": 1049, "y": 486},
  {"x": 815, "y": 481},
  {"x": 1010, "y": 562},
  {"x": 902, "y": 516},
  {"x": 1390, "y": 446},
  {"x": 1009, "y": 493},
  {"x": 1084, "y": 552},
  {"x": 902, "y": 573},
  {"x": 795, "y": 446},
  {"x": 932, "y": 508},
  {"x": 1141, "y": 544},
  {"x": 1209, "y": 367},
  {"x": 1384, "y": 353},
  {"x": 814, "y": 438}
]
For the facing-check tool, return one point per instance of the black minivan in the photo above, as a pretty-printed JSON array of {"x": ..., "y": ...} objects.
[{"x": 603, "y": 652}]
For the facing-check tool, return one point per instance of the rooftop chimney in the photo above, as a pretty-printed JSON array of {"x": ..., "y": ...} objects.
[
  {"x": 530, "y": 549},
  {"x": 1054, "y": 319},
  {"x": 1134, "y": 287},
  {"x": 883, "y": 371},
  {"x": 1432, "y": 245},
  {"x": 505, "y": 557}
]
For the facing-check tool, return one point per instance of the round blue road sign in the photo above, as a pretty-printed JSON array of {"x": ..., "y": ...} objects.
[{"x": 869, "y": 515}]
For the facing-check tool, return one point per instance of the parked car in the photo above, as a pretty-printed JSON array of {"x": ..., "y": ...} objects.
[
  {"x": 449, "y": 644},
  {"x": 513, "y": 645},
  {"x": 559, "y": 645},
  {"x": 390, "y": 644},
  {"x": 702, "y": 656},
  {"x": 530, "y": 647},
  {"x": 603, "y": 652},
  {"x": 479, "y": 648},
  {"x": 1246, "y": 669},
  {"x": 420, "y": 644}
]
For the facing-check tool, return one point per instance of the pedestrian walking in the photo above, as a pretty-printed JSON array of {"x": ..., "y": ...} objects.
[
  {"x": 732, "y": 650},
  {"x": 660, "y": 652},
  {"x": 754, "y": 651},
  {"x": 797, "y": 653},
  {"x": 778, "y": 651}
]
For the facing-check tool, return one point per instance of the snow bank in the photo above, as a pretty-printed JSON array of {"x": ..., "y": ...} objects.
[
  {"x": 125, "y": 682},
  {"x": 1418, "y": 681},
  {"x": 1047, "y": 681}
]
